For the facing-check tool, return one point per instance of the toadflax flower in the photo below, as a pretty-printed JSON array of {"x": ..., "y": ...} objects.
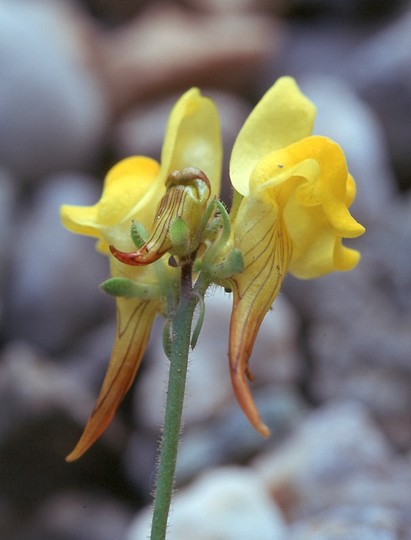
[
  {"x": 133, "y": 190},
  {"x": 293, "y": 191}
]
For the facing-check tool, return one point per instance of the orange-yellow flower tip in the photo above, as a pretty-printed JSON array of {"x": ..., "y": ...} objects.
[
  {"x": 117, "y": 381},
  {"x": 246, "y": 401},
  {"x": 94, "y": 428},
  {"x": 73, "y": 456},
  {"x": 140, "y": 257}
]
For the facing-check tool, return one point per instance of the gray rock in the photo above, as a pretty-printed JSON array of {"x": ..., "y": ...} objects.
[
  {"x": 114, "y": 13},
  {"x": 52, "y": 107},
  {"x": 354, "y": 11},
  {"x": 43, "y": 409},
  {"x": 386, "y": 85},
  {"x": 88, "y": 356},
  {"x": 8, "y": 204},
  {"x": 148, "y": 56},
  {"x": 231, "y": 439},
  {"x": 53, "y": 293},
  {"x": 385, "y": 487},
  {"x": 351, "y": 122},
  {"x": 32, "y": 387},
  {"x": 140, "y": 460},
  {"x": 71, "y": 515},
  {"x": 317, "y": 47},
  {"x": 226, "y": 438},
  {"x": 332, "y": 444},
  {"x": 350, "y": 523},
  {"x": 238, "y": 6}
]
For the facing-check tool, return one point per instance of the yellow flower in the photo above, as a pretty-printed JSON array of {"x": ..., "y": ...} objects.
[
  {"x": 132, "y": 191},
  {"x": 293, "y": 214}
]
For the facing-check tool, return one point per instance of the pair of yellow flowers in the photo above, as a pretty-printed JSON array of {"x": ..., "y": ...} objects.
[{"x": 292, "y": 192}]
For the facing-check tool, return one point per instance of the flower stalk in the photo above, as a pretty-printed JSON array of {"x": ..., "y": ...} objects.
[{"x": 180, "y": 336}]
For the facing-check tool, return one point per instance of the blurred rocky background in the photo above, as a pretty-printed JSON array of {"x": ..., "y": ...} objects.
[{"x": 85, "y": 83}]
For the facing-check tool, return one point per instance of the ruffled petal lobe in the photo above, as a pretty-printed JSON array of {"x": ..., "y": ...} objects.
[{"x": 312, "y": 186}]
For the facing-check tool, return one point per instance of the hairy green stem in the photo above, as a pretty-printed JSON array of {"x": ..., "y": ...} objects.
[{"x": 179, "y": 349}]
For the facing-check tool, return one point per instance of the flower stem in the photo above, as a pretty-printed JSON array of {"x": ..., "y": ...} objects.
[{"x": 180, "y": 344}]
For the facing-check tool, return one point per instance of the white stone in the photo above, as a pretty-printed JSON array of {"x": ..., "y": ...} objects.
[{"x": 229, "y": 503}]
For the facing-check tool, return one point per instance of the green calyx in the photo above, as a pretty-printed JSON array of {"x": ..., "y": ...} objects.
[
  {"x": 118, "y": 286},
  {"x": 221, "y": 269},
  {"x": 179, "y": 234},
  {"x": 229, "y": 266}
]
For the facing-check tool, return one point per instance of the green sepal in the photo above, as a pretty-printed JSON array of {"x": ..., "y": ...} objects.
[
  {"x": 179, "y": 234},
  {"x": 139, "y": 235},
  {"x": 118, "y": 286},
  {"x": 231, "y": 265}
]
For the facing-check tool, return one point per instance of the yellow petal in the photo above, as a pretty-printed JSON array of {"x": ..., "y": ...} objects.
[
  {"x": 329, "y": 188},
  {"x": 134, "y": 321},
  {"x": 283, "y": 116},
  {"x": 125, "y": 191},
  {"x": 81, "y": 219},
  {"x": 262, "y": 239},
  {"x": 317, "y": 244},
  {"x": 311, "y": 185},
  {"x": 193, "y": 138},
  {"x": 123, "y": 198}
]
